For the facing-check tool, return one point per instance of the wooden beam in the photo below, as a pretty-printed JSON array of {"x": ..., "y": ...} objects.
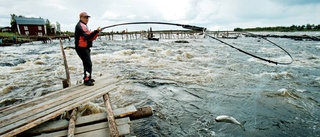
[
  {"x": 142, "y": 112},
  {"x": 72, "y": 123},
  {"x": 65, "y": 65},
  {"x": 112, "y": 124},
  {"x": 123, "y": 112}
]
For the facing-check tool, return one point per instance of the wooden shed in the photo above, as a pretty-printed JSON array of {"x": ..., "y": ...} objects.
[{"x": 30, "y": 26}]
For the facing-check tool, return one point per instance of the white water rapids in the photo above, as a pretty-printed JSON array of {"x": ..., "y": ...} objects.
[{"x": 187, "y": 84}]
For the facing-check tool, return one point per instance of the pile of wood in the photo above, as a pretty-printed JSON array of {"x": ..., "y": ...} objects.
[
  {"x": 95, "y": 125},
  {"x": 16, "y": 119}
]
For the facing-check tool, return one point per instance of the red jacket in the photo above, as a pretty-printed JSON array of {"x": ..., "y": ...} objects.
[{"x": 83, "y": 37}]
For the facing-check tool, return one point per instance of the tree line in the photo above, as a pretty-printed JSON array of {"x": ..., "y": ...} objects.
[{"x": 308, "y": 27}]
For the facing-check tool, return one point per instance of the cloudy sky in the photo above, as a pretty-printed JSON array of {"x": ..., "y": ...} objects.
[{"x": 212, "y": 14}]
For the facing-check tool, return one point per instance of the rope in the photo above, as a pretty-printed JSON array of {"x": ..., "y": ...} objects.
[
  {"x": 255, "y": 56},
  {"x": 202, "y": 29}
]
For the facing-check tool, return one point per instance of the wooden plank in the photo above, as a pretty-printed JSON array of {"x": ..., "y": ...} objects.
[
  {"x": 96, "y": 133},
  {"x": 53, "y": 126},
  {"x": 112, "y": 124},
  {"x": 51, "y": 95},
  {"x": 122, "y": 112},
  {"x": 30, "y": 111},
  {"x": 124, "y": 129},
  {"x": 27, "y": 111},
  {"x": 29, "y": 123},
  {"x": 39, "y": 100},
  {"x": 94, "y": 118},
  {"x": 72, "y": 122},
  {"x": 62, "y": 108},
  {"x": 123, "y": 121},
  {"x": 78, "y": 130},
  {"x": 86, "y": 130},
  {"x": 49, "y": 126},
  {"x": 49, "y": 102}
]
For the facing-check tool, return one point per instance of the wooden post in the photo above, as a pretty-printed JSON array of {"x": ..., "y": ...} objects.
[
  {"x": 68, "y": 82},
  {"x": 72, "y": 123},
  {"x": 111, "y": 121}
]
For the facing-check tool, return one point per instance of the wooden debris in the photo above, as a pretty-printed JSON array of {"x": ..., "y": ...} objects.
[{"x": 123, "y": 112}]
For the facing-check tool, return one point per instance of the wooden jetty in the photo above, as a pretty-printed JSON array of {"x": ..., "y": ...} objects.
[
  {"x": 33, "y": 117},
  {"x": 21, "y": 118},
  {"x": 143, "y": 35},
  {"x": 225, "y": 34}
]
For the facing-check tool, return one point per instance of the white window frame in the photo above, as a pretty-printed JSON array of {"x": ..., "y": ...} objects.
[
  {"x": 27, "y": 33},
  {"x": 25, "y": 27},
  {"x": 39, "y": 28}
]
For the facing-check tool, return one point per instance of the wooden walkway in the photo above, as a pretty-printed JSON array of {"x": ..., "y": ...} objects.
[{"x": 21, "y": 117}]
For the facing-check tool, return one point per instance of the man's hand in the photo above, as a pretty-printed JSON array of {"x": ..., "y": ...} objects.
[{"x": 98, "y": 29}]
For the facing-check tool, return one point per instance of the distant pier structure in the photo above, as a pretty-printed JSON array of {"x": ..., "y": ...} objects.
[{"x": 152, "y": 35}]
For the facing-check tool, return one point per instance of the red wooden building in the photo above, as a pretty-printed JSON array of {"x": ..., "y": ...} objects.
[{"x": 30, "y": 26}]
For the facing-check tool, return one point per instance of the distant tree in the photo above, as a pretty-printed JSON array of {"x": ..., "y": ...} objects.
[
  {"x": 308, "y": 27},
  {"x": 317, "y": 27},
  {"x": 293, "y": 28},
  {"x": 238, "y": 29},
  {"x": 13, "y": 22},
  {"x": 48, "y": 27}
]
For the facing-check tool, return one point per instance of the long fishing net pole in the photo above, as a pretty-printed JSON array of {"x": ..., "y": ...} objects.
[
  {"x": 196, "y": 28},
  {"x": 202, "y": 29}
]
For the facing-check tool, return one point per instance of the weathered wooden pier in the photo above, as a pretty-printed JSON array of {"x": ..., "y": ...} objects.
[
  {"x": 30, "y": 118},
  {"x": 144, "y": 35},
  {"x": 34, "y": 117}
]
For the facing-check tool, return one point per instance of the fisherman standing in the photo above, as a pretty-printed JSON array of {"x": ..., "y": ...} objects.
[{"x": 83, "y": 42}]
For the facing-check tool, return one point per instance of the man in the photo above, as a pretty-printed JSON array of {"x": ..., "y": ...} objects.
[{"x": 83, "y": 42}]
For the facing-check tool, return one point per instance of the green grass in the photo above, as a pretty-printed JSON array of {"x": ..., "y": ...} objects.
[
  {"x": 6, "y": 34},
  {"x": 7, "y": 37}
]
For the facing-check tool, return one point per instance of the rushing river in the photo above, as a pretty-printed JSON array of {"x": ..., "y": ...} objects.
[{"x": 187, "y": 84}]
